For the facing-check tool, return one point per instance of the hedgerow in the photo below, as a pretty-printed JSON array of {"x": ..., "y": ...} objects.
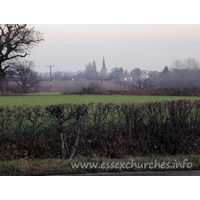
[
  {"x": 142, "y": 92},
  {"x": 100, "y": 130}
]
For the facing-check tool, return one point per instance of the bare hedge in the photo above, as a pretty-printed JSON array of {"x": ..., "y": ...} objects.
[
  {"x": 107, "y": 130},
  {"x": 143, "y": 92}
]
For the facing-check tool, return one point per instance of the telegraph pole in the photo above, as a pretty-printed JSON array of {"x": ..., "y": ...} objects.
[{"x": 51, "y": 77}]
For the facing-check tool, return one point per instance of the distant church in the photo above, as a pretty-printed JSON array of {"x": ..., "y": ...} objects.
[{"x": 103, "y": 70}]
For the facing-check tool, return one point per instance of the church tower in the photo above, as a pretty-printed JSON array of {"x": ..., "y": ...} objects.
[{"x": 103, "y": 70}]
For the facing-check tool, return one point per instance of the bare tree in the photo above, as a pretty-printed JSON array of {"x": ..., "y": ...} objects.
[
  {"x": 177, "y": 65},
  {"x": 24, "y": 76},
  {"x": 57, "y": 75},
  {"x": 145, "y": 84},
  {"x": 116, "y": 72},
  {"x": 136, "y": 73},
  {"x": 15, "y": 42},
  {"x": 90, "y": 71},
  {"x": 191, "y": 64}
]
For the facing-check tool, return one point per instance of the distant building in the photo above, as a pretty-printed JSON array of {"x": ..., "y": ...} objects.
[
  {"x": 126, "y": 77},
  {"x": 144, "y": 74},
  {"x": 148, "y": 74},
  {"x": 103, "y": 70},
  {"x": 153, "y": 74}
]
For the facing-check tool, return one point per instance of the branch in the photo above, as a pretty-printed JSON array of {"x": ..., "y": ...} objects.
[
  {"x": 22, "y": 56},
  {"x": 16, "y": 40},
  {"x": 75, "y": 144},
  {"x": 6, "y": 68}
]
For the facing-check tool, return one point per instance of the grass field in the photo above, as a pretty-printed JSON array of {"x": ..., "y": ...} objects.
[
  {"x": 56, "y": 166},
  {"x": 57, "y": 98}
]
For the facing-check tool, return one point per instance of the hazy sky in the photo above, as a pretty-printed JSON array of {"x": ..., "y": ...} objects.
[{"x": 151, "y": 47}]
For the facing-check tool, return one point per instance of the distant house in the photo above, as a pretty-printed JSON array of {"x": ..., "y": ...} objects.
[
  {"x": 153, "y": 74},
  {"x": 126, "y": 77},
  {"x": 148, "y": 74},
  {"x": 144, "y": 74}
]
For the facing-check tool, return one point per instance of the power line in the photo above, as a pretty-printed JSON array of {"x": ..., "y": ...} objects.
[{"x": 51, "y": 83}]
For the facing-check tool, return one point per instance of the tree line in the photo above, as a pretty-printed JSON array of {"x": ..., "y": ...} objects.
[{"x": 17, "y": 40}]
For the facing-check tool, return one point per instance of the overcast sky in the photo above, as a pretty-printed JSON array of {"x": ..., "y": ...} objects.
[{"x": 151, "y": 47}]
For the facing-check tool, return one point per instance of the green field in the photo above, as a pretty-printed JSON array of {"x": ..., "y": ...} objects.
[{"x": 57, "y": 98}]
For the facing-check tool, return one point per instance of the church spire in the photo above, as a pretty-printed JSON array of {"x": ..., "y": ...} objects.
[
  {"x": 103, "y": 65},
  {"x": 103, "y": 69}
]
